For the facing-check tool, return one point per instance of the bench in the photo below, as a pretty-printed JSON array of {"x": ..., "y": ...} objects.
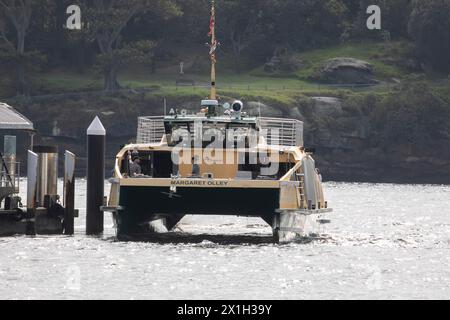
[{"x": 185, "y": 82}]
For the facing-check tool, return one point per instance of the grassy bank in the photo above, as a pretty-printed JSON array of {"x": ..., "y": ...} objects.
[{"x": 387, "y": 59}]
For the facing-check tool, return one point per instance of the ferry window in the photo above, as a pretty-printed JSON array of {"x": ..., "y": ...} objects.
[
  {"x": 248, "y": 163},
  {"x": 147, "y": 164},
  {"x": 284, "y": 169},
  {"x": 124, "y": 166},
  {"x": 162, "y": 165}
]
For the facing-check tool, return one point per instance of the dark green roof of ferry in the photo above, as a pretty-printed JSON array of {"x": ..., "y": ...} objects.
[{"x": 217, "y": 119}]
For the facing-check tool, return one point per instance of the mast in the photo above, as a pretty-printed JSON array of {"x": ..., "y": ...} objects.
[{"x": 212, "y": 52}]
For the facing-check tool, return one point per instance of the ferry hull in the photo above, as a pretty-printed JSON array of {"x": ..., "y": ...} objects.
[{"x": 142, "y": 204}]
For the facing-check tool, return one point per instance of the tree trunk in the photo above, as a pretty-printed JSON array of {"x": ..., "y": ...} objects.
[
  {"x": 83, "y": 55},
  {"x": 111, "y": 84},
  {"x": 237, "y": 58},
  {"x": 236, "y": 46},
  {"x": 153, "y": 68},
  {"x": 57, "y": 51},
  {"x": 237, "y": 63},
  {"x": 22, "y": 86},
  {"x": 20, "y": 41}
]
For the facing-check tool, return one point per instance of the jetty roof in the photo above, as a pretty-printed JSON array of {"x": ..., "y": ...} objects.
[{"x": 10, "y": 119}]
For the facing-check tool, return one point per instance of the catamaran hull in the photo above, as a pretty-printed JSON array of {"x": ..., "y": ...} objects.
[
  {"x": 146, "y": 211},
  {"x": 141, "y": 205}
]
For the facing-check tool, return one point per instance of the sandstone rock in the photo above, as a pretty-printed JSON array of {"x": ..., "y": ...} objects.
[
  {"x": 327, "y": 106},
  {"x": 273, "y": 65},
  {"x": 252, "y": 108},
  {"x": 346, "y": 71},
  {"x": 284, "y": 64},
  {"x": 294, "y": 113}
]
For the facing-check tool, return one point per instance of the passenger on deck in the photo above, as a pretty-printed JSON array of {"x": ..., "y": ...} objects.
[
  {"x": 135, "y": 168},
  {"x": 195, "y": 167},
  {"x": 175, "y": 164}
]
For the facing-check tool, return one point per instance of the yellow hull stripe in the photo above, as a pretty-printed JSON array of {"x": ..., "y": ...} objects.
[{"x": 199, "y": 183}]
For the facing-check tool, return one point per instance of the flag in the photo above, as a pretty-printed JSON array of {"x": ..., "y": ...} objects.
[{"x": 212, "y": 23}]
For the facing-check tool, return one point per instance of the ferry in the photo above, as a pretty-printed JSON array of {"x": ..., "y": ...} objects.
[{"x": 217, "y": 160}]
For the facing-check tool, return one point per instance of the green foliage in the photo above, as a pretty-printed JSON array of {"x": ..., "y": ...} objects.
[
  {"x": 394, "y": 18},
  {"x": 361, "y": 104},
  {"x": 373, "y": 52},
  {"x": 129, "y": 39},
  {"x": 15, "y": 21},
  {"x": 415, "y": 115},
  {"x": 305, "y": 24},
  {"x": 430, "y": 28},
  {"x": 138, "y": 53},
  {"x": 241, "y": 27},
  {"x": 106, "y": 23}
]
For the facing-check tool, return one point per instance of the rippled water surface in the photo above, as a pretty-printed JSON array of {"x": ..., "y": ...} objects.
[{"x": 385, "y": 242}]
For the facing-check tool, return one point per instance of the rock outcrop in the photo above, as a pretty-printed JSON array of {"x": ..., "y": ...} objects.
[
  {"x": 283, "y": 64},
  {"x": 349, "y": 147},
  {"x": 254, "y": 108},
  {"x": 346, "y": 71}
]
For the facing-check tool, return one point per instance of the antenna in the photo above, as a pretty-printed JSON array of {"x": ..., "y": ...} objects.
[
  {"x": 212, "y": 51},
  {"x": 259, "y": 108},
  {"x": 165, "y": 107}
]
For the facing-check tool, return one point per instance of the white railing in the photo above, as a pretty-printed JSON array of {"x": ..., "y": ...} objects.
[
  {"x": 283, "y": 132},
  {"x": 150, "y": 129}
]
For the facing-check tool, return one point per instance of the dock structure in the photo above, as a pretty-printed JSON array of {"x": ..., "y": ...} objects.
[
  {"x": 43, "y": 213},
  {"x": 12, "y": 120}
]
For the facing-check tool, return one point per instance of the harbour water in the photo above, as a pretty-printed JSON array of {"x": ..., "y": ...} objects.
[{"x": 385, "y": 242}]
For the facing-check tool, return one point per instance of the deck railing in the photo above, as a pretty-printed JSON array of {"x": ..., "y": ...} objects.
[
  {"x": 150, "y": 129},
  {"x": 282, "y": 132}
]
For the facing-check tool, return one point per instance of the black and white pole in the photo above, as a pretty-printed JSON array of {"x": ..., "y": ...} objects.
[{"x": 96, "y": 139}]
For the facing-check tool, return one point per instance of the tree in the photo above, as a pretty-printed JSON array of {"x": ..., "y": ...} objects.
[
  {"x": 239, "y": 25},
  {"x": 306, "y": 24},
  {"x": 17, "y": 13},
  {"x": 106, "y": 21},
  {"x": 414, "y": 115},
  {"x": 429, "y": 26},
  {"x": 394, "y": 19}
]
